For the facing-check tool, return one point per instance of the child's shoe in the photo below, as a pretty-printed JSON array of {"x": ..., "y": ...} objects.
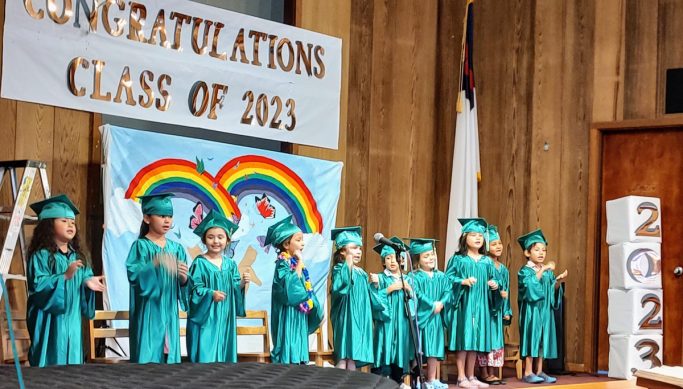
[
  {"x": 547, "y": 378},
  {"x": 532, "y": 379}
]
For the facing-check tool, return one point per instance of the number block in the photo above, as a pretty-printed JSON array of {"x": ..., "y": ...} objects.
[
  {"x": 635, "y": 311},
  {"x": 634, "y": 219},
  {"x": 629, "y": 353},
  {"x": 635, "y": 266}
]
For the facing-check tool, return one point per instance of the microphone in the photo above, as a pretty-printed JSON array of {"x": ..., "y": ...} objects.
[{"x": 379, "y": 238}]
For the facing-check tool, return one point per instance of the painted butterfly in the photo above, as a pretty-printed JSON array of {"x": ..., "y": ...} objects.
[
  {"x": 264, "y": 207},
  {"x": 197, "y": 216}
]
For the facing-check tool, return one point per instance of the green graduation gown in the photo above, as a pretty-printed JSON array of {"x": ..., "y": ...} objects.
[
  {"x": 211, "y": 326},
  {"x": 154, "y": 295},
  {"x": 471, "y": 326},
  {"x": 393, "y": 344},
  {"x": 288, "y": 325},
  {"x": 354, "y": 303},
  {"x": 428, "y": 290},
  {"x": 54, "y": 309},
  {"x": 497, "y": 322},
  {"x": 536, "y": 300}
]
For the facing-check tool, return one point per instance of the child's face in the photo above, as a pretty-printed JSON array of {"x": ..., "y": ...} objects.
[
  {"x": 496, "y": 248},
  {"x": 159, "y": 224},
  {"x": 390, "y": 263},
  {"x": 215, "y": 240},
  {"x": 355, "y": 250},
  {"x": 536, "y": 253},
  {"x": 295, "y": 244},
  {"x": 475, "y": 240},
  {"x": 65, "y": 230},
  {"x": 427, "y": 260}
]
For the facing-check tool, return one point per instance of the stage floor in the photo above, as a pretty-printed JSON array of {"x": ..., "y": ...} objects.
[
  {"x": 575, "y": 381},
  {"x": 188, "y": 375}
]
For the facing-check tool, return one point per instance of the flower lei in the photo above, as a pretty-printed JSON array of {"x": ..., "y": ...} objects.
[{"x": 307, "y": 305}]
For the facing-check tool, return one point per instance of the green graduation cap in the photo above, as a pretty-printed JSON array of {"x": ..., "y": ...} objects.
[
  {"x": 345, "y": 235},
  {"x": 421, "y": 245},
  {"x": 473, "y": 225},
  {"x": 384, "y": 250},
  {"x": 532, "y": 237},
  {"x": 493, "y": 233},
  {"x": 55, "y": 207},
  {"x": 280, "y": 231},
  {"x": 215, "y": 219},
  {"x": 157, "y": 204}
]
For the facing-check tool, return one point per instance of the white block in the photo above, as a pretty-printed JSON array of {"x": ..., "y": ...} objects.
[
  {"x": 635, "y": 311},
  {"x": 635, "y": 266},
  {"x": 628, "y": 353},
  {"x": 634, "y": 219}
]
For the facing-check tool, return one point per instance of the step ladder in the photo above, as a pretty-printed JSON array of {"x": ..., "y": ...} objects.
[{"x": 16, "y": 214}]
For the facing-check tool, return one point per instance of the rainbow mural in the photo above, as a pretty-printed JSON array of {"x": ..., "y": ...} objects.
[
  {"x": 254, "y": 174},
  {"x": 183, "y": 178}
]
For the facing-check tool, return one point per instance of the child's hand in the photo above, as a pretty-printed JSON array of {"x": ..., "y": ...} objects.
[
  {"x": 349, "y": 259},
  {"x": 506, "y": 317},
  {"x": 503, "y": 294},
  {"x": 374, "y": 278},
  {"x": 246, "y": 278},
  {"x": 406, "y": 287},
  {"x": 218, "y": 296},
  {"x": 395, "y": 286},
  {"x": 469, "y": 281},
  {"x": 95, "y": 283},
  {"x": 182, "y": 272},
  {"x": 71, "y": 270},
  {"x": 562, "y": 276},
  {"x": 438, "y": 306},
  {"x": 492, "y": 284}
]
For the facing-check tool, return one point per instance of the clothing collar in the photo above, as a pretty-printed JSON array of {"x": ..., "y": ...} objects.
[{"x": 532, "y": 265}]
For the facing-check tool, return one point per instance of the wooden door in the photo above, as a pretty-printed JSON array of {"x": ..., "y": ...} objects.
[{"x": 647, "y": 162}]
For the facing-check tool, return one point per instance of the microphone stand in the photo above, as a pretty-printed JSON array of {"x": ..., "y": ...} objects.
[{"x": 412, "y": 324}]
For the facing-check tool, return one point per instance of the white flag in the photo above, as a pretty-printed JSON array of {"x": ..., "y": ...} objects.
[{"x": 466, "y": 169}]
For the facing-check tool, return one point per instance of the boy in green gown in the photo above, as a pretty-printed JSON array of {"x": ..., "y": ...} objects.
[
  {"x": 393, "y": 344},
  {"x": 433, "y": 292},
  {"x": 539, "y": 293},
  {"x": 355, "y": 301},
  {"x": 157, "y": 272}
]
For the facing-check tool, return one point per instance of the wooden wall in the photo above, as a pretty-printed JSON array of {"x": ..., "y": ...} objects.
[{"x": 544, "y": 71}]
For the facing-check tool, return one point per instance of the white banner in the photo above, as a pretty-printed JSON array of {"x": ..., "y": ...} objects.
[{"x": 178, "y": 62}]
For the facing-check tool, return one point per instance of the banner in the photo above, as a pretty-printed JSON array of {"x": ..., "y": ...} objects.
[
  {"x": 254, "y": 187},
  {"x": 178, "y": 62}
]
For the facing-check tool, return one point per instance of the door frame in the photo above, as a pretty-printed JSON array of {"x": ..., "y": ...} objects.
[{"x": 594, "y": 212}]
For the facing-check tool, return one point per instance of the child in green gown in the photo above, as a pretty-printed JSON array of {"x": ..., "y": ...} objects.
[
  {"x": 433, "y": 291},
  {"x": 61, "y": 286},
  {"x": 540, "y": 292},
  {"x": 471, "y": 332},
  {"x": 217, "y": 295},
  {"x": 295, "y": 311},
  {"x": 394, "y": 349},
  {"x": 355, "y": 301},
  {"x": 500, "y": 317},
  {"x": 157, "y": 272}
]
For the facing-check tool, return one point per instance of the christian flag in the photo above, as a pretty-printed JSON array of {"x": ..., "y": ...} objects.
[{"x": 466, "y": 169}]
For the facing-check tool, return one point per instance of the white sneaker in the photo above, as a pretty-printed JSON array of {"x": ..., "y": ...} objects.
[
  {"x": 465, "y": 384},
  {"x": 477, "y": 384}
]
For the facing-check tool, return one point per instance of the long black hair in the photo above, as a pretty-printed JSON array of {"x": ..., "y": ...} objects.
[
  {"x": 44, "y": 238},
  {"x": 462, "y": 246},
  {"x": 144, "y": 229}
]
